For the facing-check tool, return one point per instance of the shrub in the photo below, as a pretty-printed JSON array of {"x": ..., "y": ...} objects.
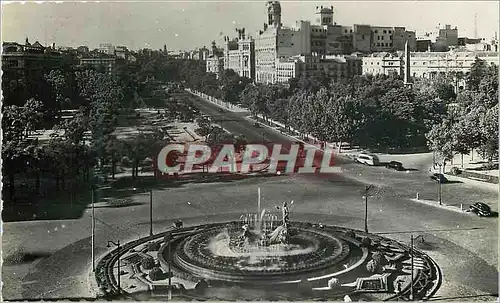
[
  {"x": 455, "y": 171},
  {"x": 379, "y": 258},
  {"x": 156, "y": 274},
  {"x": 372, "y": 266},
  {"x": 125, "y": 161},
  {"x": 148, "y": 263},
  {"x": 333, "y": 282},
  {"x": 154, "y": 246},
  {"x": 120, "y": 202},
  {"x": 16, "y": 257},
  {"x": 367, "y": 242},
  {"x": 350, "y": 234}
]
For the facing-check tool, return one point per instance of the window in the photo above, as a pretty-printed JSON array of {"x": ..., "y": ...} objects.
[
  {"x": 376, "y": 31},
  {"x": 390, "y": 32},
  {"x": 363, "y": 37},
  {"x": 345, "y": 31},
  {"x": 385, "y": 32}
]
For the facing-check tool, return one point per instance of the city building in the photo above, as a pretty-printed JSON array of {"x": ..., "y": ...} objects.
[
  {"x": 431, "y": 64},
  {"x": 107, "y": 48},
  {"x": 276, "y": 45},
  {"x": 29, "y": 60},
  {"x": 215, "y": 61},
  {"x": 426, "y": 64},
  {"x": 275, "y": 42},
  {"x": 335, "y": 67},
  {"x": 239, "y": 54},
  {"x": 83, "y": 49},
  {"x": 383, "y": 63},
  {"x": 121, "y": 52},
  {"x": 447, "y": 37},
  {"x": 106, "y": 63}
]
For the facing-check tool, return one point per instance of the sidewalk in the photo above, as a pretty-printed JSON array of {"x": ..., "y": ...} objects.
[
  {"x": 223, "y": 104},
  {"x": 433, "y": 203}
]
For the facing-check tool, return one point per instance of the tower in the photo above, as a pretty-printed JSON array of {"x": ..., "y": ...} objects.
[
  {"x": 324, "y": 15},
  {"x": 274, "y": 13}
]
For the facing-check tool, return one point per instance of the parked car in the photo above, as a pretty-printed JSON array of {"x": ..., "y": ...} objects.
[
  {"x": 256, "y": 125},
  {"x": 367, "y": 159},
  {"x": 439, "y": 178},
  {"x": 480, "y": 209},
  {"x": 395, "y": 165}
]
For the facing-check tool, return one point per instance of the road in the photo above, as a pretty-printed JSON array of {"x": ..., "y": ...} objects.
[{"x": 464, "y": 245}]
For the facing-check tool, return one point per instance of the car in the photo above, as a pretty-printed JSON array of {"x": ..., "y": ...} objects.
[
  {"x": 221, "y": 110},
  {"x": 480, "y": 209},
  {"x": 367, "y": 159},
  {"x": 256, "y": 125},
  {"x": 395, "y": 165},
  {"x": 440, "y": 178}
]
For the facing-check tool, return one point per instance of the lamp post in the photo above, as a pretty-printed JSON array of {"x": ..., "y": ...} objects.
[
  {"x": 93, "y": 232},
  {"x": 439, "y": 180},
  {"x": 168, "y": 238},
  {"x": 412, "y": 264},
  {"x": 367, "y": 188},
  {"x": 117, "y": 244}
]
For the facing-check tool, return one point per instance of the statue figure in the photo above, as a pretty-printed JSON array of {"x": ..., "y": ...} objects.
[{"x": 285, "y": 213}]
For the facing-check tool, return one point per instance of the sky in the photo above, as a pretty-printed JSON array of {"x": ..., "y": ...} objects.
[{"x": 184, "y": 25}]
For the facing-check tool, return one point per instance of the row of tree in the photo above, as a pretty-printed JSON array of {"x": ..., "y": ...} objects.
[
  {"x": 376, "y": 111},
  {"x": 472, "y": 121}
]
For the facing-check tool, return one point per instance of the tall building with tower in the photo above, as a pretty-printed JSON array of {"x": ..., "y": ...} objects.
[{"x": 275, "y": 41}]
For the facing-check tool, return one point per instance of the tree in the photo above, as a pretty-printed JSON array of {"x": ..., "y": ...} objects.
[
  {"x": 489, "y": 131},
  {"x": 145, "y": 144},
  {"x": 113, "y": 150},
  {"x": 204, "y": 126},
  {"x": 477, "y": 72}
]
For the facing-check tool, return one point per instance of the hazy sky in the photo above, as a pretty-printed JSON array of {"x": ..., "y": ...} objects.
[{"x": 189, "y": 24}]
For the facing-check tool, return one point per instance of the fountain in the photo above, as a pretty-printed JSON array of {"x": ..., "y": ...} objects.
[{"x": 260, "y": 247}]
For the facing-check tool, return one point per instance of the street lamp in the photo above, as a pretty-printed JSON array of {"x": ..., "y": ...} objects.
[
  {"x": 150, "y": 211},
  {"x": 367, "y": 188},
  {"x": 439, "y": 180},
  {"x": 168, "y": 238},
  {"x": 117, "y": 244},
  {"x": 93, "y": 232},
  {"x": 412, "y": 266}
]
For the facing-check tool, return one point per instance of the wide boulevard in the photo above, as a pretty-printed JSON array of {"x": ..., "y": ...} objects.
[{"x": 464, "y": 245}]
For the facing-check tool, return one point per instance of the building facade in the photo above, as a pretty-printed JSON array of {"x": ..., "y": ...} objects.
[
  {"x": 383, "y": 63},
  {"x": 426, "y": 64},
  {"x": 275, "y": 42},
  {"x": 215, "y": 61},
  {"x": 28, "y": 60},
  {"x": 107, "y": 48},
  {"x": 107, "y": 63},
  {"x": 239, "y": 55},
  {"x": 335, "y": 67},
  {"x": 121, "y": 52}
]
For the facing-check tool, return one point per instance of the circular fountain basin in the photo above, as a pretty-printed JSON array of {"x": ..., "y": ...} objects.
[{"x": 215, "y": 254}]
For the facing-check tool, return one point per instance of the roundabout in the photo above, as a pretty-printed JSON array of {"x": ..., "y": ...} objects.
[{"x": 263, "y": 257}]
